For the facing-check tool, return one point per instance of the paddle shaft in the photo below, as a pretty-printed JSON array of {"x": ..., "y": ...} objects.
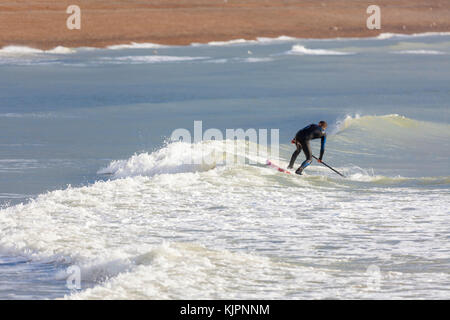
[{"x": 330, "y": 167}]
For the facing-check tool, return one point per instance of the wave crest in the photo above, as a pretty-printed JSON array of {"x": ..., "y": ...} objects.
[
  {"x": 379, "y": 122},
  {"x": 182, "y": 157}
]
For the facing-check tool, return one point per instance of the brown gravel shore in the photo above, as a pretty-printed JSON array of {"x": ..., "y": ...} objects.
[{"x": 42, "y": 23}]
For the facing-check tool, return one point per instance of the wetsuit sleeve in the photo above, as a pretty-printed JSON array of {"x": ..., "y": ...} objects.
[{"x": 322, "y": 146}]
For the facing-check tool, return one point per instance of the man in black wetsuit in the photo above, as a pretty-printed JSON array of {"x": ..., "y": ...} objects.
[{"x": 301, "y": 140}]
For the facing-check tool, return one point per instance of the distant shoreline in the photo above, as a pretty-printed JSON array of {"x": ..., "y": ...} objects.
[
  {"x": 24, "y": 50},
  {"x": 41, "y": 24}
]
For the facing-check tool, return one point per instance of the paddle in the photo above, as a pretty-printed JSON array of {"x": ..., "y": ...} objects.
[{"x": 330, "y": 167}]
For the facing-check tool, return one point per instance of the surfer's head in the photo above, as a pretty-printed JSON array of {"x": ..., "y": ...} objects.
[{"x": 323, "y": 124}]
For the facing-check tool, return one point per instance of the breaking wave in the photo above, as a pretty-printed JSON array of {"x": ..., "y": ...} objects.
[
  {"x": 182, "y": 157},
  {"x": 164, "y": 228}
]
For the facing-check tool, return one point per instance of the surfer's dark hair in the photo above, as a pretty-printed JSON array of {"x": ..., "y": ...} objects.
[{"x": 323, "y": 124}]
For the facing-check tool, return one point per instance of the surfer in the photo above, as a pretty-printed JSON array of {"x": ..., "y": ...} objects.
[{"x": 301, "y": 140}]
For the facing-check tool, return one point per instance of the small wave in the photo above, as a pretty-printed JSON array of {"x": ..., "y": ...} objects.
[
  {"x": 426, "y": 52},
  {"x": 23, "y": 50},
  {"x": 278, "y": 39},
  {"x": 301, "y": 50},
  {"x": 13, "y": 196},
  {"x": 19, "y": 50},
  {"x": 28, "y": 115},
  {"x": 423, "y": 181},
  {"x": 149, "y": 59},
  {"x": 240, "y": 60},
  {"x": 364, "y": 176},
  {"x": 394, "y": 142},
  {"x": 267, "y": 40},
  {"x": 388, "y": 35},
  {"x": 60, "y": 50},
  {"x": 217, "y": 61},
  {"x": 259, "y": 40},
  {"x": 134, "y": 45},
  {"x": 369, "y": 178},
  {"x": 227, "y": 43},
  {"x": 253, "y": 60}
]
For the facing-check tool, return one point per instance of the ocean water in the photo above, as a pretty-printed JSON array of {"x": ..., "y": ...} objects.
[{"x": 90, "y": 179}]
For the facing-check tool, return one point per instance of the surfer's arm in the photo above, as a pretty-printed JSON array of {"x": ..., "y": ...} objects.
[{"x": 322, "y": 146}]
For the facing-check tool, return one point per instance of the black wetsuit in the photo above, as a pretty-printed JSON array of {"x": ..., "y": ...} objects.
[{"x": 302, "y": 138}]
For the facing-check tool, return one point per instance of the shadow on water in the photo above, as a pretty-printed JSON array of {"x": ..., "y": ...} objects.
[{"x": 24, "y": 279}]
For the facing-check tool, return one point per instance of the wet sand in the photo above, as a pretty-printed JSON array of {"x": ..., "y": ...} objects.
[{"x": 42, "y": 23}]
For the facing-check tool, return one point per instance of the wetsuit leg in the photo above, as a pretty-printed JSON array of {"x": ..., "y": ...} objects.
[
  {"x": 295, "y": 154},
  {"x": 308, "y": 154}
]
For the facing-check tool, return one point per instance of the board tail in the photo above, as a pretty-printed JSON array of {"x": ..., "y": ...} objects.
[{"x": 270, "y": 164}]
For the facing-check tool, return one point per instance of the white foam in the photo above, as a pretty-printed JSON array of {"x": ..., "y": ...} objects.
[
  {"x": 19, "y": 50},
  {"x": 181, "y": 157},
  {"x": 277, "y": 39},
  {"x": 60, "y": 50},
  {"x": 301, "y": 50},
  {"x": 205, "y": 273},
  {"x": 230, "y": 42},
  {"x": 227, "y": 222},
  {"x": 175, "y": 158}
]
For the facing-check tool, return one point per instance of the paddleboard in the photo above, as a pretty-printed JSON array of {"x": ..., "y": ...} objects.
[{"x": 271, "y": 164}]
